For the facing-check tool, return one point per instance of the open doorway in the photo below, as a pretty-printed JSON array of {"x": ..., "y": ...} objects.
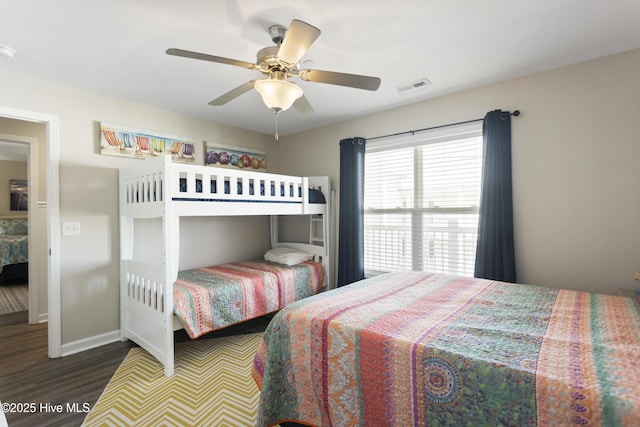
[
  {"x": 18, "y": 186},
  {"x": 46, "y": 249}
]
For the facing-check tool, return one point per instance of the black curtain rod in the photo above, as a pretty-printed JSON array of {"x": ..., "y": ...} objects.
[{"x": 516, "y": 113}]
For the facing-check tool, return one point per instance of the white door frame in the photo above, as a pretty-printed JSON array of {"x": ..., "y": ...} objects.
[
  {"x": 34, "y": 255},
  {"x": 53, "y": 220}
]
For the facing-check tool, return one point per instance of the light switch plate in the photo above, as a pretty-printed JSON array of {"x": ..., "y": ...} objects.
[{"x": 70, "y": 228}]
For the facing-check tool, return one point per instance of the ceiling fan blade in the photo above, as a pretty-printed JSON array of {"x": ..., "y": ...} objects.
[
  {"x": 233, "y": 93},
  {"x": 212, "y": 58},
  {"x": 303, "y": 106},
  {"x": 298, "y": 38},
  {"x": 341, "y": 79}
]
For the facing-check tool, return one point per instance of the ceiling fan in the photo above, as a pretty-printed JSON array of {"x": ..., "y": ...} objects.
[{"x": 280, "y": 62}]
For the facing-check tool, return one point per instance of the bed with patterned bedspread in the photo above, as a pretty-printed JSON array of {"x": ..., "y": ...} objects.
[
  {"x": 13, "y": 241},
  {"x": 418, "y": 349},
  {"x": 211, "y": 298}
]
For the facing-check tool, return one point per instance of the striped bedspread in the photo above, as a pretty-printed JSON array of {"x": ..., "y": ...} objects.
[
  {"x": 419, "y": 349},
  {"x": 210, "y": 298}
]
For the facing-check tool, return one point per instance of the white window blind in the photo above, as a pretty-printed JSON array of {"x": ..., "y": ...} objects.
[{"x": 421, "y": 201}]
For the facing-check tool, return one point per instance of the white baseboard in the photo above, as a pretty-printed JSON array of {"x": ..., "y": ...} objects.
[{"x": 89, "y": 343}]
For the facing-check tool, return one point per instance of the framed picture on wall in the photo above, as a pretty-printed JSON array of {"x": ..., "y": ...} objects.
[
  {"x": 117, "y": 140},
  {"x": 19, "y": 194},
  {"x": 229, "y": 156}
]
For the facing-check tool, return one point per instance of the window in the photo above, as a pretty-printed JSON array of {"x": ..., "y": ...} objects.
[{"x": 422, "y": 196}]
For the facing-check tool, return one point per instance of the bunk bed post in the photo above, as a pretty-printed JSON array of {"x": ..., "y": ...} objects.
[
  {"x": 126, "y": 249},
  {"x": 171, "y": 251},
  {"x": 327, "y": 220},
  {"x": 327, "y": 230}
]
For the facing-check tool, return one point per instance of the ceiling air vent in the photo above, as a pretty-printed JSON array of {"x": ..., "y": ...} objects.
[{"x": 413, "y": 86}]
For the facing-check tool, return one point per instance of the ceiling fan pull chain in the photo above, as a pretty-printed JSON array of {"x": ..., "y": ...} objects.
[{"x": 276, "y": 135}]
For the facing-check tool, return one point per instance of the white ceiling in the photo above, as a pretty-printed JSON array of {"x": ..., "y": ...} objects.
[{"x": 117, "y": 47}]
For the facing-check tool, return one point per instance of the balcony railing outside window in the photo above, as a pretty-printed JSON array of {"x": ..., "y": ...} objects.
[
  {"x": 447, "y": 244},
  {"x": 421, "y": 204}
]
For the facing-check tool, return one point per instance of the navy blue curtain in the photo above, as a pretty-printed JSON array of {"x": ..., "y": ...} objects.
[
  {"x": 495, "y": 254},
  {"x": 351, "y": 217}
]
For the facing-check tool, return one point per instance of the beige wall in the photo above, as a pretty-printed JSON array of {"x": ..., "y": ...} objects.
[
  {"x": 576, "y": 180},
  {"x": 10, "y": 170},
  {"x": 89, "y": 193}
]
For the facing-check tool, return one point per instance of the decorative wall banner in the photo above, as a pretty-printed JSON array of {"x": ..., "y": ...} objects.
[
  {"x": 228, "y": 156},
  {"x": 116, "y": 140}
]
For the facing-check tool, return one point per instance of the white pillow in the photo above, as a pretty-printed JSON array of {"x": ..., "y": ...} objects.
[{"x": 288, "y": 256}]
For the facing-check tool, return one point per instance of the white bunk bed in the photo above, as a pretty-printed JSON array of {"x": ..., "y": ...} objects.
[{"x": 160, "y": 188}]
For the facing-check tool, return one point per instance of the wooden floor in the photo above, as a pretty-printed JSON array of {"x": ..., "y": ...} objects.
[{"x": 28, "y": 376}]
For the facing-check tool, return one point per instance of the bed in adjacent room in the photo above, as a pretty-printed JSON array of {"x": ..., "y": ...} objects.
[
  {"x": 417, "y": 349},
  {"x": 14, "y": 248}
]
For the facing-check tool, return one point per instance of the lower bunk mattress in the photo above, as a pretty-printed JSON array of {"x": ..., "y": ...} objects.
[
  {"x": 420, "y": 349},
  {"x": 210, "y": 298}
]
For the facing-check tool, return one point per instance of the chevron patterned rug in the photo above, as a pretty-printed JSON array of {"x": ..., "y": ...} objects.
[{"x": 211, "y": 386}]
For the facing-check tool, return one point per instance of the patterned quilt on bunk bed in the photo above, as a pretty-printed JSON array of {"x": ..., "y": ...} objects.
[
  {"x": 418, "y": 349},
  {"x": 211, "y": 298}
]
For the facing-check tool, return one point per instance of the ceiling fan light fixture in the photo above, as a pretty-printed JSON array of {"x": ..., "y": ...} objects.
[{"x": 278, "y": 95}]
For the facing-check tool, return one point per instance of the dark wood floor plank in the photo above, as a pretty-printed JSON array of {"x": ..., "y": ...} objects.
[
  {"x": 13, "y": 318},
  {"x": 27, "y": 375}
]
